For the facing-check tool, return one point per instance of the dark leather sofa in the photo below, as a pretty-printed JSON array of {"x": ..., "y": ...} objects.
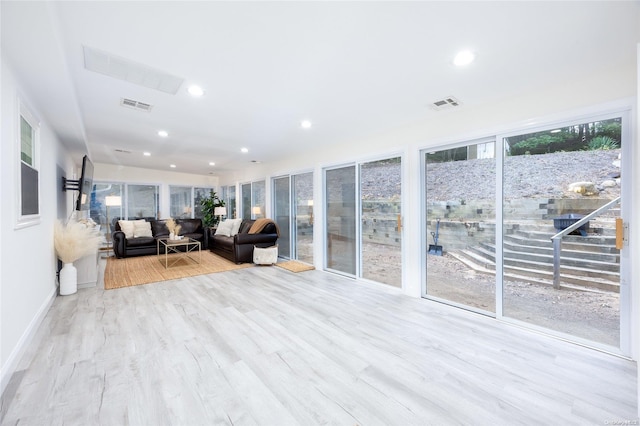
[
  {"x": 138, "y": 246},
  {"x": 239, "y": 248}
]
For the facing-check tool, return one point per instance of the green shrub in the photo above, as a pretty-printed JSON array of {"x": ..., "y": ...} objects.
[{"x": 602, "y": 143}]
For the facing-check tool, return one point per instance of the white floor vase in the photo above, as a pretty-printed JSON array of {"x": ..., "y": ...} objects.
[{"x": 68, "y": 279}]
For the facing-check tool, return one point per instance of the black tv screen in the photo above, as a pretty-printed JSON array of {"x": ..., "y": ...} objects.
[{"x": 85, "y": 184}]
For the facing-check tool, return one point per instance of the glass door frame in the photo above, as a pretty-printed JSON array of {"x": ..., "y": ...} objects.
[
  {"x": 625, "y": 214},
  {"x": 358, "y": 213},
  {"x": 293, "y": 212},
  {"x": 626, "y": 207},
  {"x": 425, "y": 236},
  {"x": 325, "y": 228},
  {"x": 275, "y": 209}
]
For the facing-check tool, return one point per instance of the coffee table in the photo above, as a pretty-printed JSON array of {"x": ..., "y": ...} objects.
[{"x": 183, "y": 249}]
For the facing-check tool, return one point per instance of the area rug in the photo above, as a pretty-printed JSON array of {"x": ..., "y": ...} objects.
[
  {"x": 295, "y": 266},
  {"x": 148, "y": 269}
]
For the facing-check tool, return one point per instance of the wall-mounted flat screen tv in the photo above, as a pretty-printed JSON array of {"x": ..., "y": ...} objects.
[{"x": 85, "y": 185}]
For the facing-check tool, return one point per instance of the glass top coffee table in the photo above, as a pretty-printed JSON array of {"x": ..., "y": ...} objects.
[{"x": 175, "y": 250}]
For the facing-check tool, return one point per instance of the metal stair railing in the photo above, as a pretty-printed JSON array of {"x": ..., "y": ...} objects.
[{"x": 557, "y": 239}]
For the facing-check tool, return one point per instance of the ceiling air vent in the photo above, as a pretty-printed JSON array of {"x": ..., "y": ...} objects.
[
  {"x": 122, "y": 151},
  {"x": 446, "y": 103},
  {"x": 140, "y": 106}
]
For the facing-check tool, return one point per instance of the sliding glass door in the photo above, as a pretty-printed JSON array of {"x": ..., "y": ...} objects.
[
  {"x": 461, "y": 225},
  {"x": 282, "y": 214},
  {"x": 552, "y": 178},
  {"x": 363, "y": 220},
  {"x": 293, "y": 212},
  {"x": 381, "y": 221},
  {"x": 529, "y": 227},
  {"x": 302, "y": 204},
  {"x": 340, "y": 219}
]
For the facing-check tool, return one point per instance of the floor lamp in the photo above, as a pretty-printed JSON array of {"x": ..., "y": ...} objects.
[{"x": 111, "y": 201}]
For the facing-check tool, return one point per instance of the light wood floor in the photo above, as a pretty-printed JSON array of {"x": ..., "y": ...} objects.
[{"x": 263, "y": 346}]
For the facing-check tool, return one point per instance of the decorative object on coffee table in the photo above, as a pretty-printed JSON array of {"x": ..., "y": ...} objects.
[
  {"x": 174, "y": 229},
  {"x": 73, "y": 241}
]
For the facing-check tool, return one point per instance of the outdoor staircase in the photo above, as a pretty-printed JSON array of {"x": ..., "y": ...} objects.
[{"x": 591, "y": 262}]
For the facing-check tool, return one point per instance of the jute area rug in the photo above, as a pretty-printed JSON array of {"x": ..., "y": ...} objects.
[
  {"x": 295, "y": 266},
  {"x": 138, "y": 270}
]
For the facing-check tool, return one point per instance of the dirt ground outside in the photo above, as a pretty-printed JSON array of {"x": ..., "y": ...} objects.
[{"x": 592, "y": 315}]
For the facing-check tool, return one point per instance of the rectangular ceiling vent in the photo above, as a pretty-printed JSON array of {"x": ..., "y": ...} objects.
[
  {"x": 122, "y": 151},
  {"x": 446, "y": 103},
  {"x": 140, "y": 106},
  {"x": 134, "y": 72}
]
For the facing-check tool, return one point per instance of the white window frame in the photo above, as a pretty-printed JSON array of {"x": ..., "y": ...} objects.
[{"x": 22, "y": 220}]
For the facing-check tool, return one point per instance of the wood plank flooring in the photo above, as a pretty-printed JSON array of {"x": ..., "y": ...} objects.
[{"x": 264, "y": 346}]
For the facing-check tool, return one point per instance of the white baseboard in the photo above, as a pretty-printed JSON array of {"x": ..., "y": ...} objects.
[{"x": 16, "y": 354}]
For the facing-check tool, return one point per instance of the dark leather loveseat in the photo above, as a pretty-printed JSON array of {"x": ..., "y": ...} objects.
[
  {"x": 239, "y": 248},
  {"x": 137, "y": 246}
]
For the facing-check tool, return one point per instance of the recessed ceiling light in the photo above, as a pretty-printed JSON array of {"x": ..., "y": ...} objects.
[
  {"x": 211, "y": 163},
  {"x": 146, "y": 154},
  {"x": 195, "y": 91},
  {"x": 173, "y": 166},
  {"x": 163, "y": 133},
  {"x": 464, "y": 58},
  {"x": 244, "y": 150},
  {"x": 556, "y": 131},
  {"x": 305, "y": 124}
]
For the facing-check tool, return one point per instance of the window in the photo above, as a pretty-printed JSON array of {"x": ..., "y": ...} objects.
[
  {"x": 181, "y": 202},
  {"x": 199, "y": 194},
  {"x": 143, "y": 201},
  {"x": 28, "y": 175},
  {"x": 230, "y": 201}
]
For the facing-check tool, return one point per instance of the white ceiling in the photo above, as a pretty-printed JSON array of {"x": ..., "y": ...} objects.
[{"x": 352, "y": 68}]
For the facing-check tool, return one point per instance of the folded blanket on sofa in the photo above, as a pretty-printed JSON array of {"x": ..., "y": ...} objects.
[{"x": 260, "y": 224}]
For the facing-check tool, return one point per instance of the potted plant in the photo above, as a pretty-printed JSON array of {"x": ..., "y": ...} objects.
[
  {"x": 72, "y": 242},
  {"x": 209, "y": 205}
]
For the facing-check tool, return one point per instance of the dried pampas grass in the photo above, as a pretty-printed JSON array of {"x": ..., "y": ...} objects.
[
  {"x": 173, "y": 227},
  {"x": 74, "y": 240}
]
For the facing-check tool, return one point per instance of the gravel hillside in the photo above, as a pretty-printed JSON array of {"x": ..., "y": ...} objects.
[{"x": 526, "y": 176}]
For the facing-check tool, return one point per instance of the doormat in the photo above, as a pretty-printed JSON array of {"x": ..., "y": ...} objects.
[{"x": 295, "y": 266}]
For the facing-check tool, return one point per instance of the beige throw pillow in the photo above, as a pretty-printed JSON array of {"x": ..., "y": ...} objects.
[
  {"x": 225, "y": 227},
  {"x": 142, "y": 228},
  {"x": 126, "y": 226}
]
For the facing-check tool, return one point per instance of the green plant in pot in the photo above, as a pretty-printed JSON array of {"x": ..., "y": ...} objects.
[{"x": 209, "y": 205}]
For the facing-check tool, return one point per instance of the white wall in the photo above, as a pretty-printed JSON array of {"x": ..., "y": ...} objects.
[
  {"x": 26, "y": 292},
  {"x": 123, "y": 174}
]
